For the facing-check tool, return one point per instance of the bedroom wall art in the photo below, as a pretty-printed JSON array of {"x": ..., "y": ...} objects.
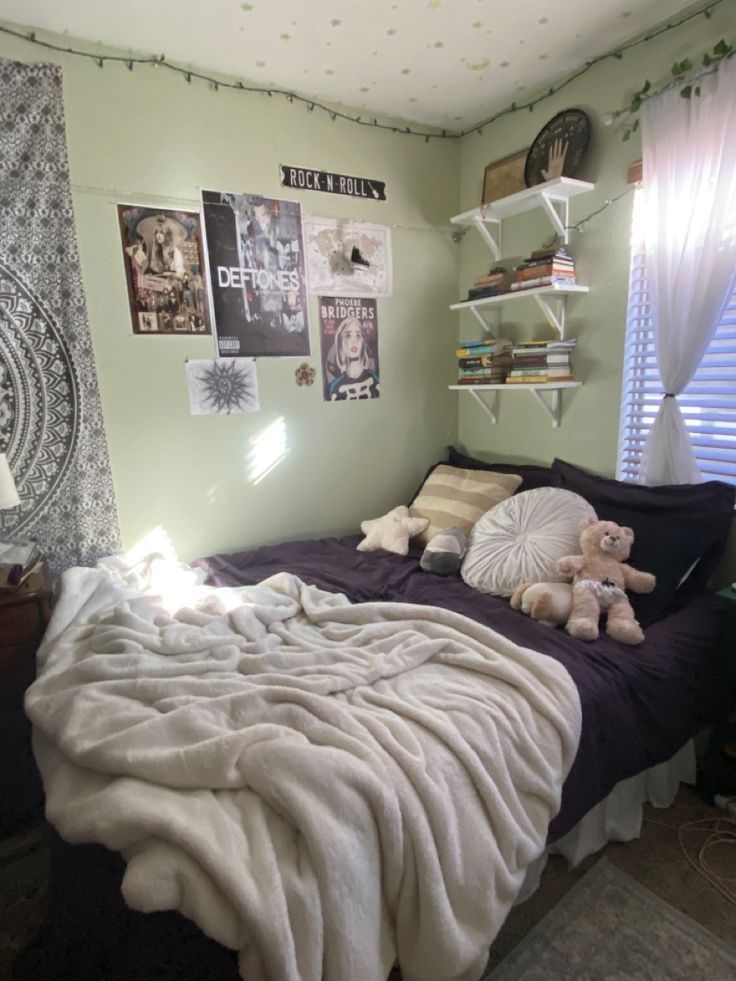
[
  {"x": 351, "y": 257},
  {"x": 349, "y": 338},
  {"x": 256, "y": 274},
  {"x": 164, "y": 270},
  {"x": 222, "y": 386},
  {"x": 51, "y": 425},
  {"x": 306, "y": 179}
]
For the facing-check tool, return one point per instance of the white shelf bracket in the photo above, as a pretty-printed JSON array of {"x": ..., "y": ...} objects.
[
  {"x": 490, "y": 326},
  {"x": 493, "y": 243},
  {"x": 555, "y": 409},
  {"x": 560, "y": 219},
  {"x": 490, "y": 410},
  {"x": 553, "y": 309}
]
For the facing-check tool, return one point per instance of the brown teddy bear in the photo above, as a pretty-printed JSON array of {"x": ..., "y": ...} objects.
[{"x": 600, "y": 578}]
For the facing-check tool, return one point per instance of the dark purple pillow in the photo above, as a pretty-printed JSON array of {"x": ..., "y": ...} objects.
[
  {"x": 675, "y": 525},
  {"x": 532, "y": 474}
]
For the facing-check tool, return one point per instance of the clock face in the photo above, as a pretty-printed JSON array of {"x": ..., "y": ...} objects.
[{"x": 559, "y": 148}]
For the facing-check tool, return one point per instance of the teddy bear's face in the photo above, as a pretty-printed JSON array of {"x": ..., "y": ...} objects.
[{"x": 609, "y": 538}]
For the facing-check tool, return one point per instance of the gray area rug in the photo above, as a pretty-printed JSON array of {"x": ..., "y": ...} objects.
[{"x": 609, "y": 928}]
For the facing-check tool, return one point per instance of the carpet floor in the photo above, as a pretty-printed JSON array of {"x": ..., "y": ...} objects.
[{"x": 654, "y": 861}]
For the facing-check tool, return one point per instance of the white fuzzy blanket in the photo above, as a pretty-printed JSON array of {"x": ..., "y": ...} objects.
[{"x": 324, "y": 787}]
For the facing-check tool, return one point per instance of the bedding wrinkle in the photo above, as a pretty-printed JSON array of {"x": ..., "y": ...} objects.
[{"x": 321, "y": 785}]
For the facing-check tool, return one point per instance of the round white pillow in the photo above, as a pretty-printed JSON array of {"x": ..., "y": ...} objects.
[{"x": 521, "y": 539}]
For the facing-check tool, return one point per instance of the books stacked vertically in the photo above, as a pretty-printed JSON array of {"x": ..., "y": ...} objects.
[
  {"x": 541, "y": 362},
  {"x": 496, "y": 282},
  {"x": 544, "y": 267},
  {"x": 484, "y": 362}
]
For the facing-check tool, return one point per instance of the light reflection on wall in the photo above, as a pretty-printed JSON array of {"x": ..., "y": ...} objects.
[
  {"x": 154, "y": 542},
  {"x": 267, "y": 449}
]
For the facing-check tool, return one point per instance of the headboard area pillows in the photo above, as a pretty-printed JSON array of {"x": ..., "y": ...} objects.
[
  {"x": 532, "y": 474},
  {"x": 521, "y": 540},
  {"x": 674, "y": 527},
  {"x": 456, "y": 497}
]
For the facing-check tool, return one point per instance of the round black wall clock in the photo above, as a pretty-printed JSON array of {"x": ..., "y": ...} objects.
[{"x": 558, "y": 148}]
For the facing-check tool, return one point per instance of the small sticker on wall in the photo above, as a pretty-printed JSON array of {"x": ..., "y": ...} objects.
[
  {"x": 305, "y": 374},
  {"x": 222, "y": 386}
]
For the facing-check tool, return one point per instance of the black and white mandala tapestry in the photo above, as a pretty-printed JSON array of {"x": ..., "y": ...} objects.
[{"x": 50, "y": 415}]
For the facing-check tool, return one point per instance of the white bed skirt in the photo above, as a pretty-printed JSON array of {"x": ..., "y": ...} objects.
[{"x": 618, "y": 816}]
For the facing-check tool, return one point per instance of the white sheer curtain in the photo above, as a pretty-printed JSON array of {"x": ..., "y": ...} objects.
[{"x": 689, "y": 152}]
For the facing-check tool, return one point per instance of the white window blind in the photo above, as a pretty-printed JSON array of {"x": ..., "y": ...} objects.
[{"x": 708, "y": 404}]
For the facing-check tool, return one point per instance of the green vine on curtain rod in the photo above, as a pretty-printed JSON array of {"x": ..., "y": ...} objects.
[{"x": 682, "y": 77}]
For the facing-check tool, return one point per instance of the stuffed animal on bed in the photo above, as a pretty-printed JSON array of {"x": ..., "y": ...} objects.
[
  {"x": 600, "y": 580},
  {"x": 548, "y": 602},
  {"x": 444, "y": 553}
]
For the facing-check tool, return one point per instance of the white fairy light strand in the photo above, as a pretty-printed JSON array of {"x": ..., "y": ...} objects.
[{"x": 189, "y": 74}]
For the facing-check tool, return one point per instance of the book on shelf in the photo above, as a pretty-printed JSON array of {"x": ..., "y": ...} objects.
[
  {"x": 526, "y": 380},
  {"x": 473, "y": 349},
  {"x": 481, "y": 381},
  {"x": 17, "y": 562},
  {"x": 555, "y": 280}
]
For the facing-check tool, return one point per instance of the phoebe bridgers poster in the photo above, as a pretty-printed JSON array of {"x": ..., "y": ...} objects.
[
  {"x": 349, "y": 336},
  {"x": 257, "y": 276}
]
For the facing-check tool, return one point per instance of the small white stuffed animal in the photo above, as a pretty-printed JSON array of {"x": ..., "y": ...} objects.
[{"x": 548, "y": 602}]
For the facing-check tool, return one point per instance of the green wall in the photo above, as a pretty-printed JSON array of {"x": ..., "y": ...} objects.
[
  {"x": 589, "y": 432},
  {"x": 147, "y": 137}
]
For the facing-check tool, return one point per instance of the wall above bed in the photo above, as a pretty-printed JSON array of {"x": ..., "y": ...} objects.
[{"x": 300, "y": 466}]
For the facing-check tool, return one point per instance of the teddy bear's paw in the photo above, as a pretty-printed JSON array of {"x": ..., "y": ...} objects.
[
  {"x": 625, "y": 631},
  {"x": 583, "y": 628}
]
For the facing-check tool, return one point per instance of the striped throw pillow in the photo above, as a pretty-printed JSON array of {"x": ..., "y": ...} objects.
[{"x": 452, "y": 497}]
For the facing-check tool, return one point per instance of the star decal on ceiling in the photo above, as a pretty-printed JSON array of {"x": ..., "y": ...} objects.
[
  {"x": 479, "y": 65},
  {"x": 406, "y": 71},
  {"x": 477, "y": 23},
  {"x": 435, "y": 4},
  {"x": 247, "y": 7},
  {"x": 438, "y": 44},
  {"x": 335, "y": 22},
  {"x": 391, "y": 31},
  {"x": 285, "y": 36},
  {"x": 543, "y": 20}
]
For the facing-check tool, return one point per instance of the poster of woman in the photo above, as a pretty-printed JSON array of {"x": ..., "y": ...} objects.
[
  {"x": 164, "y": 270},
  {"x": 349, "y": 336}
]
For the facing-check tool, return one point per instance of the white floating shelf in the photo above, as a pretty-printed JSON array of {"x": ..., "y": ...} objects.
[
  {"x": 553, "y": 196},
  {"x": 550, "y": 300},
  {"x": 518, "y": 294},
  {"x": 553, "y": 410}
]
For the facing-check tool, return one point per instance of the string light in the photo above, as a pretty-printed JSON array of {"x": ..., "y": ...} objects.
[{"x": 157, "y": 61}]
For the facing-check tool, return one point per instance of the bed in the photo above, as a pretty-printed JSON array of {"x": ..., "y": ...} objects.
[{"x": 640, "y": 708}]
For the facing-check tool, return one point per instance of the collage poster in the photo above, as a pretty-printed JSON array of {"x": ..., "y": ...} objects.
[
  {"x": 349, "y": 337},
  {"x": 257, "y": 276},
  {"x": 164, "y": 270}
]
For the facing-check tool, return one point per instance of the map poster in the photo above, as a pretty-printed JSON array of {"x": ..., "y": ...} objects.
[
  {"x": 349, "y": 336},
  {"x": 349, "y": 257},
  {"x": 257, "y": 276}
]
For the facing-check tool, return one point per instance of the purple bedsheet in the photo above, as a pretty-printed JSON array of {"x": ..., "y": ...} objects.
[{"x": 640, "y": 705}]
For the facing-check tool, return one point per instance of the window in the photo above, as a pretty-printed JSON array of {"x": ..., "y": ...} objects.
[{"x": 708, "y": 404}]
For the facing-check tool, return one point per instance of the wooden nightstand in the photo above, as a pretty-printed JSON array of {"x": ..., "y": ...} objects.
[
  {"x": 717, "y": 773},
  {"x": 24, "y": 615}
]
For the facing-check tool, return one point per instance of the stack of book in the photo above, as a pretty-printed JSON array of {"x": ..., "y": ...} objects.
[
  {"x": 497, "y": 281},
  {"x": 484, "y": 362},
  {"x": 544, "y": 267},
  {"x": 541, "y": 362},
  {"x": 17, "y": 562}
]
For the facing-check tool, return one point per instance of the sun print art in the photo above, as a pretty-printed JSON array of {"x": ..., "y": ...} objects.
[{"x": 222, "y": 386}]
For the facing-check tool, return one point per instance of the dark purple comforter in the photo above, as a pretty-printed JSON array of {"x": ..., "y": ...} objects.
[{"x": 640, "y": 704}]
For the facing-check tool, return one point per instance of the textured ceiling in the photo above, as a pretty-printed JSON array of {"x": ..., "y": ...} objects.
[{"x": 446, "y": 63}]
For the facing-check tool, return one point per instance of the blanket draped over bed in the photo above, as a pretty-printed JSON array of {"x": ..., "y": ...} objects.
[{"x": 325, "y": 787}]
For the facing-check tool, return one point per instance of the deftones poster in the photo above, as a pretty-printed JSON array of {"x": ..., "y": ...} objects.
[
  {"x": 257, "y": 276},
  {"x": 349, "y": 334}
]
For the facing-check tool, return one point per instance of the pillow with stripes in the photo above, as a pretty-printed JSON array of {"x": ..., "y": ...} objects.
[{"x": 453, "y": 497}]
